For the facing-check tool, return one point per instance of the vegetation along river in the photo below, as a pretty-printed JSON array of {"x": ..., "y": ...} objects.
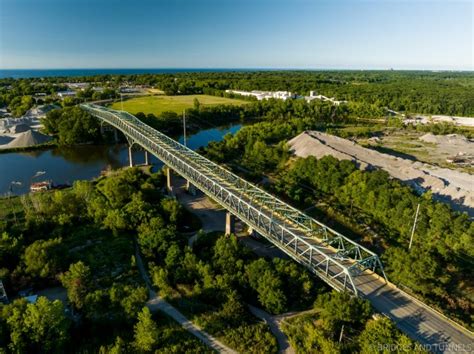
[{"x": 64, "y": 165}]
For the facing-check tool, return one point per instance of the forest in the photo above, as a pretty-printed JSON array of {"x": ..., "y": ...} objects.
[{"x": 369, "y": 93}]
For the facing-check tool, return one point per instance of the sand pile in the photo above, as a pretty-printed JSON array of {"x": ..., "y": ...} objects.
[
  {"x": 28, "y": 138},
  {"x": 452, "y": 144},
  {"x": 453, "y": 187}
]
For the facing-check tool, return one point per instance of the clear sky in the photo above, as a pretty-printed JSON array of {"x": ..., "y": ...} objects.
[{"x": 346, "y": 34}]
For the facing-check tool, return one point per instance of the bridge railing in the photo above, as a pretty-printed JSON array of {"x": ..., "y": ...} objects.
[{"x": 332, "y": 256}]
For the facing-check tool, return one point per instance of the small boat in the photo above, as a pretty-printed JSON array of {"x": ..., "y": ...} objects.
[{"x": 41, "y": 186}]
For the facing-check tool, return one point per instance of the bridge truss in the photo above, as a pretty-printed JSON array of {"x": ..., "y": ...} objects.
[{"x": 330, "y": 255}]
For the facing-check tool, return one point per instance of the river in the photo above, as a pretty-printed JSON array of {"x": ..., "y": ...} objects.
[{"x": 64, "y": 165}]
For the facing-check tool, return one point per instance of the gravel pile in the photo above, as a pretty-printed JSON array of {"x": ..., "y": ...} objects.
[
  {"x": 453, "y": 187},
  {"x": 25, "y": 139}
]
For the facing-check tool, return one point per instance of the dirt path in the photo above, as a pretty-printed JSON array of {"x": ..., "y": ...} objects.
[
  {"x": 274, "y": 324},
  {"x": 157, "y": 303}
]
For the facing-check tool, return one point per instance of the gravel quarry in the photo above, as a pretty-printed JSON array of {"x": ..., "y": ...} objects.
[{"x": 453, "y": 187}]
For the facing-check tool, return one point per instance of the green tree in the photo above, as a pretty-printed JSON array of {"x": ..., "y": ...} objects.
[
  {"x": 381, "y": 336},
  {"x": 155, "y": 238},
  {"x": 228, "y": 255},
  {"x": 38, "y": 327},
  {"x": 43, "y": 258},
  {"x": 264, "y": 279},
  {"x": 46, "y": 324},
  {"x": 77, "y": 282},
  {"x": 196, "y": 104},
  {"x": 145, "y": 331},
  {"x": 338, "y": 308}
]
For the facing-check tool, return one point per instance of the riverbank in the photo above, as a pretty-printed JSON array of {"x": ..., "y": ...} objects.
[{"x": 66, "y": 164}]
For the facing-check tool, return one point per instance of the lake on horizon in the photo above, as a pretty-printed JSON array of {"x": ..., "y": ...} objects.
[{"x": 36, "y": 73}]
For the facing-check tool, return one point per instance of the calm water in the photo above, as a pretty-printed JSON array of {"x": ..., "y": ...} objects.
[
  {"x": 27, "y": 73},
  {"x": 66, "y": 165}
]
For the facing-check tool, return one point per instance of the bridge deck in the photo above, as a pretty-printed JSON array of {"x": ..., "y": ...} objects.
[{"x": 340, "y": 262}]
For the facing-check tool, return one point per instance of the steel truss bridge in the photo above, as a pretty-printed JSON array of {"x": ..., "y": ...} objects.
[
  {"x": 333, "y": 257},
  {"x": 340, "y": 262}
]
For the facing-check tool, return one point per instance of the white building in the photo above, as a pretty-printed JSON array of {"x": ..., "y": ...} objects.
[
  {"x": 67, "y": 93},
  {"x": 264, "y": 95},
  {"x": 312, "y": 96}
]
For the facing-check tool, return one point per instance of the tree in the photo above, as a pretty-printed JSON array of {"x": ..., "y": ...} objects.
[
  {"x": 338, "y": 308},
  {"x": 155, "y": 238},
  {"x": 46, "y": 323},
  {"x": 38, "y": 327},
  {"x": 146, "y": 331},
  {"x": 264, "y": 279},
  {"x": 381, "y": 336},
  {"x": 196, "y": 104},
  {"x": 42, "y": 258},
  {"x": 171, "y": 208},
  {"x": 227, "y": 255},
  {"x": 129, "y": 298},
  {"x": 417, "y": 269},
  {"x": 119, "y": 347},
  {"x": 72, "y": 125},
  {"x": 77, "y": 282},
  {"x": 137, "y": 211}
]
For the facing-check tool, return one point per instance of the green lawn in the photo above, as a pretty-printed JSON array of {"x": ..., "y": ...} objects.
[{"x": 161, "y": 103}]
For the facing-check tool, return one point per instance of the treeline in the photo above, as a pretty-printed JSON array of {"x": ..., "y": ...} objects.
[
  {"x": 368, "y": 92},
  {"x": 442, "y": 254},
  {"x": 415, "y": 92},
  {"x": 21, "y": 95}
]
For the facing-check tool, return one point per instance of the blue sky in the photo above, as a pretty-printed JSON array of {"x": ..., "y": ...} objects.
[{"x": 346, "y": 34}]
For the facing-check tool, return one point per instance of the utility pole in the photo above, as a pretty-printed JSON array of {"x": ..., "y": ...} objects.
[
  {"x": 184, "y": 127},
  {"x": 121, "y": 100},
  {"x": 414, "y": 226}
]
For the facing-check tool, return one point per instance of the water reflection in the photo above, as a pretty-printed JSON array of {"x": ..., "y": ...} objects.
[{"x": 68, "y": 164}]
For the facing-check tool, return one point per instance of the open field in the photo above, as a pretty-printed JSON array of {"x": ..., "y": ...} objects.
[{"x": 161, "y": 103}]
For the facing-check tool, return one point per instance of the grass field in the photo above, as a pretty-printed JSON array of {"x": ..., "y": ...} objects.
[{"x": 161, "y": 103}]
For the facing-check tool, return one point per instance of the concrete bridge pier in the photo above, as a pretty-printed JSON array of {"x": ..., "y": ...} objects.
[
  {"x": 229, "y": 223},
  {"x": 190, "y": 188},
  {"x": 169, "y": 185},
  {"x": 147, "y": 161},
  {"x": 130, "y": 156}
]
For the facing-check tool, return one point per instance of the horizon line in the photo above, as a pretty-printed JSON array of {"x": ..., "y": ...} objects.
[{"x": 245, "y": 68}]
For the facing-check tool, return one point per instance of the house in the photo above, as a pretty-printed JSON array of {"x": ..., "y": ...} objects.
[
  {"x": 312, "y": 96},
  {"x": 68, "y": 93}
]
